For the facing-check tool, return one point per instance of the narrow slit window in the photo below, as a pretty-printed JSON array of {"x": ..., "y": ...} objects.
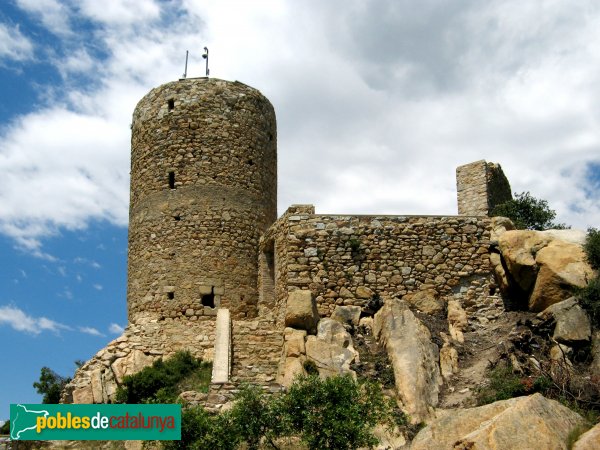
[
  {"x": 172, "y": 180},
  {"x": 171, "y": 295},
  {"x": 171, "y": 104}
]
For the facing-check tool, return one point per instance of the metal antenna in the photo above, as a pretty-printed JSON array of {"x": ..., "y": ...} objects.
[
  {"x": 186, "y": 61},
  {"x": 205, "y": 56}
]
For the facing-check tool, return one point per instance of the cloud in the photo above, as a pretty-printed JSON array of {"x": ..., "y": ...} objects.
[
  {"x": 53, "y": 14},
  {"x": 91, "y": 331},
  {"x": 120, "y": 12},
  {"x": 98, "y": 287},
  {"x": 20, "y": 321},
  {"x": 116, "y": 328},
  {"x": 13, "y": 45}
]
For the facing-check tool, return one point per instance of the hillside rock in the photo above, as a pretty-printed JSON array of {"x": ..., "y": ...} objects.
[
  {"x": 347, "y": 314},
  {"x": 301, "y": 311},
  {"x": 518, "y": 248},
  {"x": 426, "y": 301},
  {"x": 532, "y": 422},
  {"x": 414, "y": 358},
  {"x": 331, "y": 349},
  {"x": 590, "y": 440},
  {"x": 572, "y": 323},
  {"x": 562, "y": 266}
]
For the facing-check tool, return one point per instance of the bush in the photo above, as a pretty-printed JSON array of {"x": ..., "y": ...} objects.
[
  {"x": 159, "y": 382},
  {"x": 528, "y": 212},
  {"x": 50, "y": 385},
  {"x": 504, "y": 384},
  {"x": 336, "y": 413},
  {"x": 589, "y": 299},
  {"x": 592, "y": 247}
]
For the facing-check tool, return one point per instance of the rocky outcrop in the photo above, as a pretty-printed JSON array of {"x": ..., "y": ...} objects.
[
  {"x": 572, "y": 323},
  {"x": 414, "y": 357},
  {"x": 533, "y": 422},
  {"x": 590, "y": 440},
  {"x": 542, "y": 267},
  {"x": 301, "y": 311},
  {"x": 426, "y": 301}
]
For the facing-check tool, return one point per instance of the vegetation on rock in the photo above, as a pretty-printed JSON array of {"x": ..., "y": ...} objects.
[
  {"x": 589, "y": 296},
  {"x": 164, "y": 380},
  {"x": 5, "y": 428},
  {"x": 528, "y": 212}
]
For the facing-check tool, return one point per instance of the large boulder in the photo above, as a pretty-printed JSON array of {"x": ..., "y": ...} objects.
[
  {"x": 426, "y": 301},
  {"x": 414, "y": 357},
  {"x": 562, "y": 266},
  {"x": 301, "y": 311},
  {"x": 590, "y": 440},
  {"x": 572, "y": 323},
  {"x": 518, "y": 248},
  {"x": 347, "y": 314},
  {"x": 532, "y": 422},
  {"x": 331, "y": 349}
]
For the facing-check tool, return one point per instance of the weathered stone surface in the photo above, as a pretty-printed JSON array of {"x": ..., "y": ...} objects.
[
  {"x": 572, "y": 323},
  {"x": 331, "y": 349},
  {"x": 518, "y": 248},
  {"x": 364, "y": 292},
  {"x": 499, "y": 273},
  {"x": 457, "y": 320},
  {"x": 294, "y": 343},
  {"x": 130, "y": 364},
  {"x": 83, "y": 395},
  {"x": 562, "y": 266},
  {"x": 533, "y": 422},
  {"x": 301, "y": 311},
  {"x": 293, "y": 367},
  {"x": 414, "y": 357},
  {"x": 192, "y": 398},
  {"x": 426, "y": 301},
  {"x": 347, "y": 314},
  {"x": 590, "y": 440},
  {"x": 500, "y": 225},
  {"x": 571, "y": 236},
  {"x": 595, "y": 366},
  {"x": 480, "y": 187},
  {"x": 448, "y": 361}
]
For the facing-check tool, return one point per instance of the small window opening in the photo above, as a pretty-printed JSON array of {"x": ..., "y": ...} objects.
[
  {"x": 171, "y": 295},
  {"x": 492, "y": 290},
  {"x": 172, "y": 180},
  {"x": 177, "y": 217},
  {"x": 209, "y": 299},
  {"x": 171, "y": 104},
  {"x": 250, "y": 162}
]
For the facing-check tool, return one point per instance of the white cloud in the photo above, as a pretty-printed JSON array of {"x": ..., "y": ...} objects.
[
  {"x": 91, "y": 331},
  {"x": 13, "y": 45},
  {"x": 53, "y": 14},
  {"x": 98, "y": 287},
  {"x": 116, "y": 328},
  {"x": 376, "y": 102},
  {"x": 20, "y": 321}
]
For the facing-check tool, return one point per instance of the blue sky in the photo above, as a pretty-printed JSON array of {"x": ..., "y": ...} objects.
[{"x": 377, "y": 102}]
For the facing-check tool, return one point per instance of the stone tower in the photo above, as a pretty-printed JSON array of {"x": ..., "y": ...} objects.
[
  {"x": 203, "y": 190},
  {"x": 480, "y": 186}
]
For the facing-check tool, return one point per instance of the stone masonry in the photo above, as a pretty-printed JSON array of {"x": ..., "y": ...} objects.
[
  {"x": 203, "y": 235},
  {"x": 480, "y": 187}
]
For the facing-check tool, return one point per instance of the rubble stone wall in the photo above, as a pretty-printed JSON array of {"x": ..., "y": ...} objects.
[
  {"x": 348, "y": 260},
  {"x": 203, "y": 191}
]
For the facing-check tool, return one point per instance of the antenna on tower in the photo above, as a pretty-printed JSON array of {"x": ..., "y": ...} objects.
[
  {"x": 186, "y": 61},
  {"x": 205, "y": 56}
]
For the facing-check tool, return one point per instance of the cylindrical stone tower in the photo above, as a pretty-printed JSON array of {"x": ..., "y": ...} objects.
[{"x": 203, "y": 190}]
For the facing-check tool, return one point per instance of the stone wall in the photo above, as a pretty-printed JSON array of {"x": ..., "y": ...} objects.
[
  {"x": 350, "y": 260},
  {"x": 203, "y": 190},
  {"x": 480, "y": 187},
  {"x": 97, "y": 380}
]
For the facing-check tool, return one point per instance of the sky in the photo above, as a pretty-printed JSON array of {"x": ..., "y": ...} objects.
[{"x": 377, "y": 103}]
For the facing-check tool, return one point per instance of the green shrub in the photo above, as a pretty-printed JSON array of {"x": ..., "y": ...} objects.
[
  {"x": 592, "y": 247},
  {"x": 160, "y": 382},
  {"x": 528, "y": 212},
  {"x": 589, "y": 299},
  {"x": 335, "y": 413}
]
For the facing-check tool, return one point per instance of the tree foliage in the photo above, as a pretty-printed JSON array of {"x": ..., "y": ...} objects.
[
  {"x": 589, "y": 296},
  {"x": 592, "y": 247},
  {"x": 528, "y": 212},
  {"x": 50, "y": 385}
]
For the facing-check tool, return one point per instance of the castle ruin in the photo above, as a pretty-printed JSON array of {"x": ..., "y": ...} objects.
[{"x": 211, "y": 267}]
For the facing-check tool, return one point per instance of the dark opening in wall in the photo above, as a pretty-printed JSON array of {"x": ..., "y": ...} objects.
[
  {"x": 172, "y": 180},
  {"x": 177, "y": 217},
  {"x": 250, "y": 162},
  {"x": 171, "y": 295},
  {"x": 171, "y": 104},
  {"x": 209, "y": 299}
]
